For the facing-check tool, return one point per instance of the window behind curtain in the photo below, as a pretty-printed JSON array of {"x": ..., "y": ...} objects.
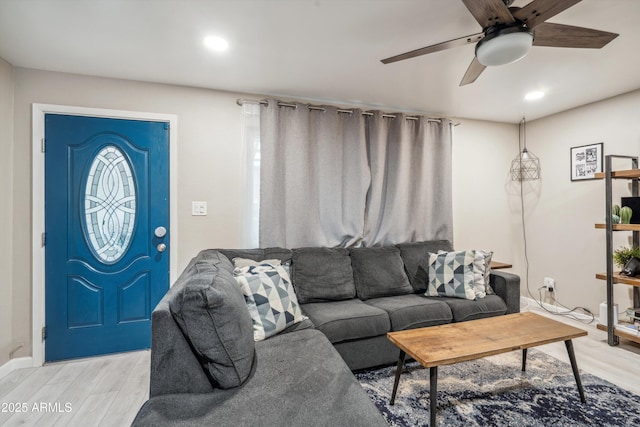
[{"x": 251, "y": 176}]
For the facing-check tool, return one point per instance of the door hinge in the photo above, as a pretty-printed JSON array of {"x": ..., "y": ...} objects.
[
  {"x": 44, "y": 239},
  {"x": 43, "y": 147},
  {"x": 44, "y": 333}
]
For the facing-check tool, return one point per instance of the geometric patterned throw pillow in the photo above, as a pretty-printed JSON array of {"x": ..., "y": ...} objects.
[
  {"x": 487, "y": 255},
  {"x": 452, "y": 274},
  {"x": 479, "y": 268},
  {"x": 270, "y": 298},
  {"x": 481, "y": 272}
]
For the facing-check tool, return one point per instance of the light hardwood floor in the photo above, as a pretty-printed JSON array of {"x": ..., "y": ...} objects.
[
  {"x": 100, "y": 391},
  {"x": 109, "y": 390}
]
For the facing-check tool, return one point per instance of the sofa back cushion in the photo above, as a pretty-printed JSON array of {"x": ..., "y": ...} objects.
[
  {"x": 207, "y": 256},
  {"x": 379, "y": 272},
  {"x": 322, "y": 274},
  {"x": 212, "y": 315},
  {"x": 259, "y": 254},
  {"x": 416, "y": 260}
]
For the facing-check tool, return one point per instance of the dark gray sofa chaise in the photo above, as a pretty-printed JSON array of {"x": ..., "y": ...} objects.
[
  {"x": 352, "y": 297},
  {"x": 200, "y": 377}
]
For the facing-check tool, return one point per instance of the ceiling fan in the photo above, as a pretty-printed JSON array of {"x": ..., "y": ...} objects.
[{"x": 509, "y": 32}]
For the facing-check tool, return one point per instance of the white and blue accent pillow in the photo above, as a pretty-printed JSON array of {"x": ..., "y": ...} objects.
[
  {"x": 481, "y": 271},
  {"x": 452, "y": 274},
  {"x": 270, "y": 298},
  {"x": 483, "y": 262}
]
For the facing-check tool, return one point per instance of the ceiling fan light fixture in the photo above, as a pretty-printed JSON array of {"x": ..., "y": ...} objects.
[{"x": 504, "y": 45}]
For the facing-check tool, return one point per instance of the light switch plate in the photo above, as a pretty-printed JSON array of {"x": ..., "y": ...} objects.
[{"x": 198, "y": 208}]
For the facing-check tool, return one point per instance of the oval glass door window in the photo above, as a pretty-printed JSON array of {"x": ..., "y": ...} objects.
[{"x": 110, "y": 204}]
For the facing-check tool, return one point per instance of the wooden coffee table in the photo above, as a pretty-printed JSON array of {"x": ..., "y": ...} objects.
[{"x": 459, "y": 342}]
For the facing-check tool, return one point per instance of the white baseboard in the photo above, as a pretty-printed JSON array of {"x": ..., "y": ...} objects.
[
  {"x": 552, "y": 308},
  {"x": 13, "y": 364}
]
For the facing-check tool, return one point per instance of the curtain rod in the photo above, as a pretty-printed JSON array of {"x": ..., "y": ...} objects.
[{"x": 241, "y": 101}]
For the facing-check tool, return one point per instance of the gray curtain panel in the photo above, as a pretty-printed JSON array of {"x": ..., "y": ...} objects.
[
  {"x": 339, "y": 179},
  {"x": 314, "y": 177},
  {"x": 410, "y": 198}
]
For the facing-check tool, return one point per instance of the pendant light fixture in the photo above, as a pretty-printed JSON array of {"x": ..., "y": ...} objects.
[{"x": 526, "y": 166}]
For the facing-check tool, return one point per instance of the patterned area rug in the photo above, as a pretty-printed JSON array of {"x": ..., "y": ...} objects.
[{"x": 495, "y": 392}]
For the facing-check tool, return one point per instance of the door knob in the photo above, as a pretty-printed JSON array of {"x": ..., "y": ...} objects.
[
  {"x": 160, "y": 232},
  {"x": 161, "y": 247}
]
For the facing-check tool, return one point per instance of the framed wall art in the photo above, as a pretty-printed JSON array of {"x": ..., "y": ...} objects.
[{"x": 586, "y": 161}]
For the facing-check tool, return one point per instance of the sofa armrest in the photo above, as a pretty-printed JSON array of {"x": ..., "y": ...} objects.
[
  {"x": 507, "y": 287},
  {"x": 174, "y": 367}
]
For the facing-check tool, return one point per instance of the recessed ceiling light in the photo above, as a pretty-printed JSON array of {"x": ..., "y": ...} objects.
[
  {"x": 216, "y": 43},
  {"x": 532, "y": 96}
]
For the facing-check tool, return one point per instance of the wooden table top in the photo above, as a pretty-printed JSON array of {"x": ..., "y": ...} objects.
[
  {"x": 496, "y": 265},
  {"x": 474, "y": 339}
]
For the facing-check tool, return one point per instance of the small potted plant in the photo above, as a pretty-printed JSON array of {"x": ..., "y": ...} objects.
[
  {"x": 615, "y": 214},
  {"x": 622, "y": 255}
]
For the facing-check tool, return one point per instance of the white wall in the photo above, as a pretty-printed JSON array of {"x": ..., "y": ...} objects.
[
  {"x": 563, "y": 242},
  {"x": 6, "y": 213},
  {"x": 209, "y": 168},
  {"x": 560, "y": 215},
  {"x": 483, "y": 194},
  {"x": 209, "y": 163}
]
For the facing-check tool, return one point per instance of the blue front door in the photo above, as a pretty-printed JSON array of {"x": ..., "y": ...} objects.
[{"x": 106, "y": 233}]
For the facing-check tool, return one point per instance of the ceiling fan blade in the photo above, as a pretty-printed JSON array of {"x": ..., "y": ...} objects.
[
  {"x": 558, "y": 35},
  {"x": 489, "y": 12},
  {"x": 474, "y": 70},
  {"x": 538, "y": 11},
  {"x": 473, "y": 38}
]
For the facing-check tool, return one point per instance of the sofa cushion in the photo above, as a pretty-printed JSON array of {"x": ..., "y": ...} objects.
[
  {"x": 299, "y": 380},
  {"x": 347, "y": 320},
  {"x": 211, "y": 313},
  {"x": 270, "y": 298},
  {"x": 416, "y": 258},
  {"x": 322, "y": 274},
  {"x": 452, "y": 274},
  {"x": 213, "y": 257},
  {"x": 379, "y": 272},
  {"x": 463, "y": 310},
  {"x": 413, "y": 311},
  {"x": 247, "y": 262},
  {"x": 284, "y": 255}
]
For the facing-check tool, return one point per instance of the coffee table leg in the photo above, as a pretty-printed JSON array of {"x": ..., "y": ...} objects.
[
  {"x": 574, "y": 366},
  {"x": 398, "y": 372},
  {"x": 524, "y": 359},
  {"x": 433, "y": 393}
]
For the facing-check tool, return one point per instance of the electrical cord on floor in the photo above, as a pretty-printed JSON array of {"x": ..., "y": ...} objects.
[{"x": 569, "y": 312}]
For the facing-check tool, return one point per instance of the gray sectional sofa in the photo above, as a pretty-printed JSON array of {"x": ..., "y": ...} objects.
[{"x": 207, "y": 370}]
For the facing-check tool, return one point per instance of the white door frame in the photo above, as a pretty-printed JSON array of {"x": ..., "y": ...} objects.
[{"x": 37, "y": 218}]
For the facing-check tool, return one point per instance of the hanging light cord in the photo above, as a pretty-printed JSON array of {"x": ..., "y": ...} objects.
[
  {"x": 522, "y": 133},
  {"x": 522, "y": 145},
  {"x": 524, "y": 230}
]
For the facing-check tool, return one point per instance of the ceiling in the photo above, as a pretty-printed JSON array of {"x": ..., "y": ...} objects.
[{"x": 323, "y": 50}]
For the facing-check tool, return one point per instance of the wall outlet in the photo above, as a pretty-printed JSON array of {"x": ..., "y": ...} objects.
[{"x": 550, "y": 284}]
